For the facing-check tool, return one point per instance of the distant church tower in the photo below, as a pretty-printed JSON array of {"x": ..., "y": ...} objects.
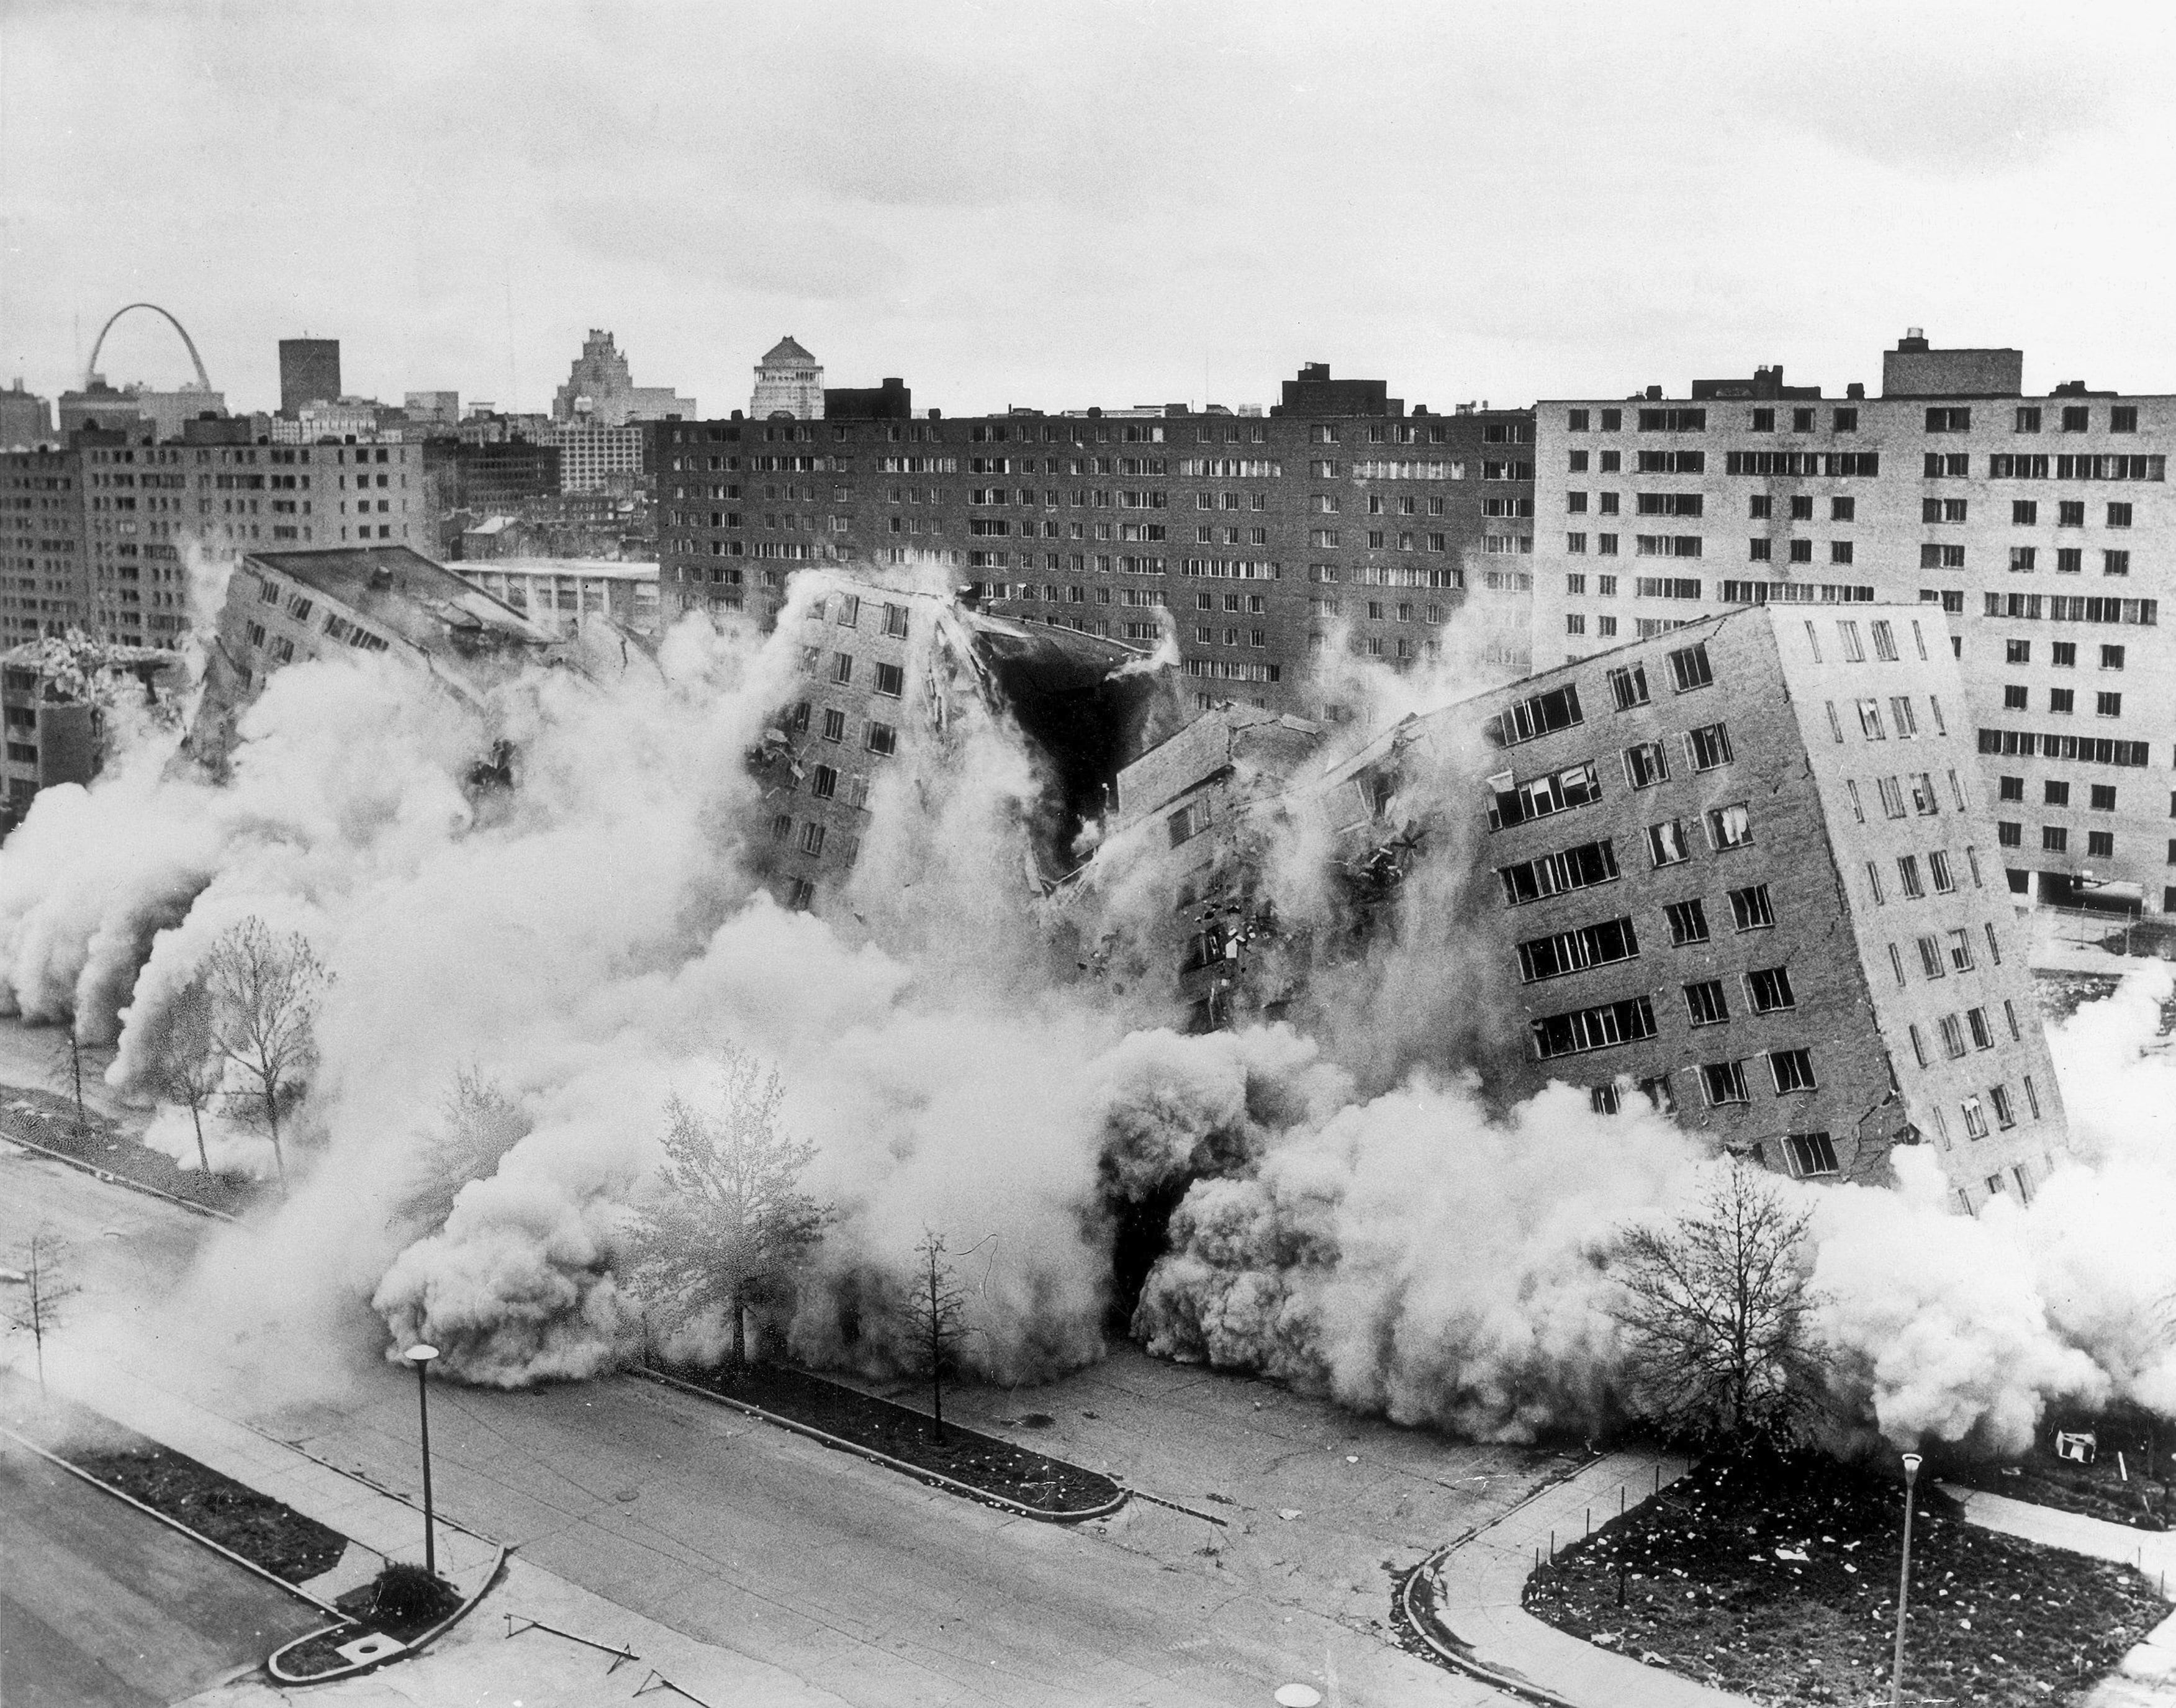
[{"x": 789, "y": 385}]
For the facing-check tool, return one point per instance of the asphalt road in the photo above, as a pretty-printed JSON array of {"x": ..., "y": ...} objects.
[
  {"x": 860, "y": 1580},
  {"x": 101, "y": 1605}
]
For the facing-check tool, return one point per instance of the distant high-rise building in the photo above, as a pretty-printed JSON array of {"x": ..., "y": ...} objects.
[
  {"x": 432, "y": 410},
  {"x": 789, "y": 384},
  {"x": 26, "y": 419},
  {"x": 600, "y": 392},
  {"x": 163, "y": 414},
  {"x": 309, "y": 373}
]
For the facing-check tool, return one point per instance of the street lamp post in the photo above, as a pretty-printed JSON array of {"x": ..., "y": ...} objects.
[
  {"x": 1903, "y": 1583},
  {"x": 421, "y": 1355}
]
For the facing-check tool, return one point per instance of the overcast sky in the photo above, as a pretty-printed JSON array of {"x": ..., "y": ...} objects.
[{"x": 1054, "y": 206}]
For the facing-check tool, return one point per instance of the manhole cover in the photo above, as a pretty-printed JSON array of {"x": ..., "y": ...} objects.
[
  {"x": 625, "y": 1493},
  {"x": 1297, "y": 1696}
]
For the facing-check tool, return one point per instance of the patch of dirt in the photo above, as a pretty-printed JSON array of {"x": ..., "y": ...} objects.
[
  {"x": 1777, "y": 1580},
  {"x": 49, "y": 1120},
  {"x": 263, "y": 1531},
  {"x": 981, "y": 1461}
]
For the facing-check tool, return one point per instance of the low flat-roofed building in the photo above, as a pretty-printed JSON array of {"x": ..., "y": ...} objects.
[{"x": 558, "y": 593}]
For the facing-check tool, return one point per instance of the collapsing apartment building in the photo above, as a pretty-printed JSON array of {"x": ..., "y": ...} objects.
[
  {"x": 890, "y": 669},
  {"x": 287, "y": 608},
  {"x": 1737, "y": 867}
]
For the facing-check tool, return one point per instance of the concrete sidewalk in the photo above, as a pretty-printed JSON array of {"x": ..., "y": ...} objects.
[
  {"x": 380, "y": 1524},
  {"x": 2147, "y": 1678},
  {"x": 1477, "y": 1586}
]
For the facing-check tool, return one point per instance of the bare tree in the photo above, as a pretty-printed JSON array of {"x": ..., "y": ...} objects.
[
  {"x": 1716, "y": 1311},
  {"x": 937, "y": 1306},
  {"x": 68, "y": 1070},
  {"x": 188, "y": 1068},
  {"x": 265, "y": 989},
  {"x": 45, "y": 1288},
  {"x": 478, "y": 1125},
  {"x": 731, "y": 1224}
]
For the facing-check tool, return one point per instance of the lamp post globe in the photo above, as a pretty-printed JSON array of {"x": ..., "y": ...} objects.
[{"x": 1911, "y": 1463}]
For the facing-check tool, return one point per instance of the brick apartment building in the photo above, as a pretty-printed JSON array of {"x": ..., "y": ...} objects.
[
  {"x": 1258, "y": 538},
  {"x": 890, "y": 672},
  {"x": 1738, "y": 865},
  {"x": 2040, "y": 527},
  {"x": 43, "y": 545}
]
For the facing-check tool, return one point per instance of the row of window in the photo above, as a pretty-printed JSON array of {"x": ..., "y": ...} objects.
[
  {"x": 1913, "y": 886},
  {"x": 2055, "y": 839},
  {"x": 2028, "y": 418},
  {"x": 2062, "y": 701}
]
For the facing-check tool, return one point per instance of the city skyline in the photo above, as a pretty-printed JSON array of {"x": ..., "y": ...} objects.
[{"x": 1131, "y": 215}]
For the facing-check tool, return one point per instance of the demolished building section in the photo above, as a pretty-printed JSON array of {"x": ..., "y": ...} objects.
[
  {"x": 60, "y": 696},
  {"x": 286, "y": 607},
  {"x": 1736, "y": 867},
  {"x": 890, "y": 669}
]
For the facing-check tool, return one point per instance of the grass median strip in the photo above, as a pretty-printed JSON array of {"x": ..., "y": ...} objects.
[
  {"x": 1776, "y": 1579},
  {"x": 982, "y": 1462}
]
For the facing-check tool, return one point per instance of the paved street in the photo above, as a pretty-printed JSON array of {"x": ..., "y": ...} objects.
[
  {"x": 102, "y": 1604},
  {"x": 856, "y": 1579}
]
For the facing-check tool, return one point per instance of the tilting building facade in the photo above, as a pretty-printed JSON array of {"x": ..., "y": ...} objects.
[{"x": 1738, "y": 866}]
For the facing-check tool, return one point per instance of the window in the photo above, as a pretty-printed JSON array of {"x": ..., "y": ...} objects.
[
  {"x": 891, "y": 680},
  {"x": 1705, "y": 1003},
  {"x": 2054, "y": 839},
  {"x": 1708, "y": 746},
  {"x": 881, "y": 738},
  {"x": 1724, "y": 1082},
  {"x": 1938, "y": 868},
  {"x": 2063, "y": 654},
  {"x": 1593, "y": 1029},
  {"x": 1688, "y": 922},
  {"x": 2107, "y": 705},
  {"x": 812, "y": 839},
  {"x": 1793, "y": 1071},
  {"x": 2004, "y": 1114},
  {"x": 1802, "y": 550},
  {"x": 2024, "y": 512},
  {"x": 1809, "y": 1154},
  {"x": 1995, "y": 954},
  {"x": 1874, "y": 882},
  {"x": 1896, "y": 967},
  {"x": 2103, "y": 798},
  {"x": 2077, "y": 419},
  {"x": 2115, "y": 562},
  {"x": 1657, "y": 1092},
  {"x": 1573, "y": 951},
  {"x": 1802, "y": 508},
  {"x": 1869, "y": 720},
  {"x": 2111, "y": 658},
  {"x": 1666, "y": 843},
  {"x": 1835, "y": 724},
  {"x": 1750, "y": 909},
  {"x": 1601, "y": 1099},
  {"x": 1918, "y": 1045},
  {"x": 842, "y": 666},
  {"x": 1645, "y": 766},
  {"x": 2015, "y": 697},
  {"x": 1689, "y": 668},
  {"x": 1907, "y": 876},
  {"x": 849, "y": 611},
  {"x": 1982, "y": 1034},
  {"x": 824, "y": 783},
  {"x": 2062, "y": 700},
  {"x": 1553, "y": 874},
  {"x": 1960, "y": 949},
  {"x": 2100, "y": 845},
  {"x": 835, "y": 724},
  {"x": 896, "y": 621},
  {"x": 1892, "y": 795},
  {"x": 1769, "y": 988},
  {"x": 1627, "y": 685},
  {"x": 1930, "y": 957},
  {"x": 1843, "y": 509},
  {"x": 2032, "y": 1091},
  {"x": 1949, "y": 421},
  {"x": 1953, "y": 1036},
  {"x": 1975, "y": 1121},
  {"x": 1729, "y": 827},
  {"x": 1511, "y": 802}
]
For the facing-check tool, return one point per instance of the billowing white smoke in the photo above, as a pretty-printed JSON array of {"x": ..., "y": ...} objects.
[{"x": 1359, "y": 1218}]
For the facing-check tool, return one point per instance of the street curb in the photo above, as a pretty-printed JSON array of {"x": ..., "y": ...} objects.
[
  {"x": 937, "y": 1478},
  {"x": 298, "y": 1679},
  {"x": 1441, "y": 1638},
  {"x": 98, "y": 1173},
  {"x": 295, "y": 1589}
]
